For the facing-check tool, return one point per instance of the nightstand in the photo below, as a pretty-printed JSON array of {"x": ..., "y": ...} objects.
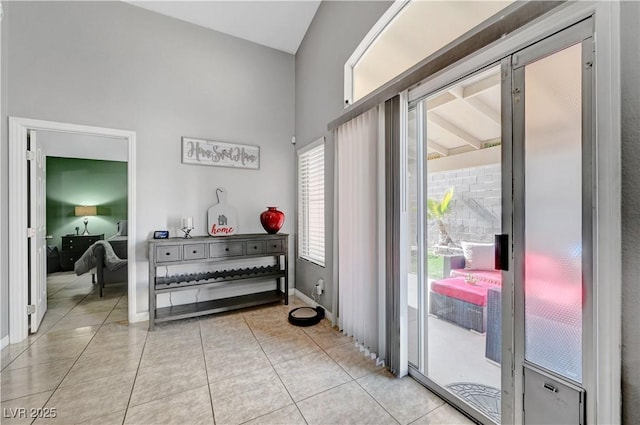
[{"x": 73, "y": 247}]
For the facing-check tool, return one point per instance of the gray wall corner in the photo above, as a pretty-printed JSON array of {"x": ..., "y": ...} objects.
[
  {"x": 630, "y": 133},
  {"x": 335, "y": 32}
]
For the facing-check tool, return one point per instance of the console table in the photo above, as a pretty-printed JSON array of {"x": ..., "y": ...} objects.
[
  {"x": 73, "y": 247},
  {"x": 216, "y": 251}
]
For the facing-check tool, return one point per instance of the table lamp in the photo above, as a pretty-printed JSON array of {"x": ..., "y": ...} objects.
[{"x": 85, "y": 211}]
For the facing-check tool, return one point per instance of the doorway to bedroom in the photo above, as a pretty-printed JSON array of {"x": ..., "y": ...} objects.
[
  {"x": 31, "y": 141},
  {"x": 86, "y": 206}
]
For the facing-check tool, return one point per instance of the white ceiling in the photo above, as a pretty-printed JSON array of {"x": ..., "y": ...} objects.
[{"x": 277, "y": 24}]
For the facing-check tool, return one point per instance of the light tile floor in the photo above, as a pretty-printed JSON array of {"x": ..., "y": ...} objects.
[{"x": 249, "y": 366}]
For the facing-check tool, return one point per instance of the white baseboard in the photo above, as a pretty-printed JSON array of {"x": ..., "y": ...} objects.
[
  {"x": 311, "y": 303},
  {"x": 4, "y": 342},
  {"x": 139, "y": 317}
]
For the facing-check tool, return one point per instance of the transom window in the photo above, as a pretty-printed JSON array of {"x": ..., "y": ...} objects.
[{"x": 407, "y": 33}]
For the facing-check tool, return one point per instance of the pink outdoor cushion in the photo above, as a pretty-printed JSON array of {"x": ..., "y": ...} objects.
[
  {"x": 493, "y": 277},
  {"x": 456, "y": 287}
]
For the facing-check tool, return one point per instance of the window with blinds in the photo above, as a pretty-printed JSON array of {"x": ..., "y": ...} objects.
[{"x": 311, "y": 202}]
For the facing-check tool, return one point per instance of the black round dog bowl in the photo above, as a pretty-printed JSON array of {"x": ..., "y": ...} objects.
[{"x": 306, "y": 316}]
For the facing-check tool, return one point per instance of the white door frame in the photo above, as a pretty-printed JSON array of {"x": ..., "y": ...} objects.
[
  {"x": 5, "y": 339},
  {"x": 18, "y": 257}
]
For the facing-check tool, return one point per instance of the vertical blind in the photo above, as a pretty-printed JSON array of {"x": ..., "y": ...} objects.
[
  {"x": 311, "y": 202},
  {"x": 358, "y": 237}
]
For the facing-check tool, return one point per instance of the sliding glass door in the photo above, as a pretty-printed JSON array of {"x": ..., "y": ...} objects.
[
  {"x": 499, "y": 193},
  {"x": 454, "y": 195}
]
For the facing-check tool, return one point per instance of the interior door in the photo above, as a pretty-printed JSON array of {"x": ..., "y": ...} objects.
[
  {"x": 552, "y": 223},
  {"x": 37, "y": 233}
]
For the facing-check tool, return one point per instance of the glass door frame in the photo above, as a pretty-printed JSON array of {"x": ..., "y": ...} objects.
[
  {"x": 579, "y": 33},
  {"x": 601, "y": 382},
  {"x": 419, "y": 372}
]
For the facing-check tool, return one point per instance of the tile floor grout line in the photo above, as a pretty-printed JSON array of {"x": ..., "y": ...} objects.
[
  {"x": 53, "y": 361},
  {"x": 23, "y": 396},
  {"x": 206, "y": 371},
  {"x": 340, "y": 345},
  {"x": 39, "y": 364},
  {"x": 328, "y": 355},
  {"x": 426, "y": 414},
  {"x": 135, "y": 378},
  {"x": 277, "y": 374},
  {"x": 72, "y": 365},
  {"x": 30, "y": 343},
  {"x": 339, "y": 365},
  {"x": 66, "y": 374},
  {"x": 69, "y": 311},
  {"x": 253, "y": 323},
  {"x": 272, "y": 368},
  {"x": 376, "y": 400},
  {"x": 352, "y": 378},
  {"x": 277, "y": 410},
  {"x": 324, "y": 391},
  {"x": 323, "y": 351}
]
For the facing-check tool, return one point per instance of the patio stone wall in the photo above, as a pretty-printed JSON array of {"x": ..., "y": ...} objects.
[{"x": 476, "y": 207}]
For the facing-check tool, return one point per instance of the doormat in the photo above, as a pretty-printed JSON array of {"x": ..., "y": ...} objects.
[{"x": 483, "y": 397}]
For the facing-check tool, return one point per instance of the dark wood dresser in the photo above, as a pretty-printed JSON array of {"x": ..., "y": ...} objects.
[{"x": 73, "y": 247}]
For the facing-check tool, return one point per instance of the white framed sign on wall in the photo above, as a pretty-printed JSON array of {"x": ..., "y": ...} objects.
[{"x": 220, "y": 154}]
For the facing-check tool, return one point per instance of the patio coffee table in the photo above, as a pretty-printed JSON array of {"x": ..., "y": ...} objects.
[{"x": 459, "y": 302}]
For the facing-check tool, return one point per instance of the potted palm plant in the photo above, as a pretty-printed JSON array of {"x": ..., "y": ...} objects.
[
  {"x": 444, "y": 255},
  {"x": 437, "y": 210}
]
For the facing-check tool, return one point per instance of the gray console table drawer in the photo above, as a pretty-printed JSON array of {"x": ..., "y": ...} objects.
[
  {"x": 275, "y": 246},
  {"x": 255, "y": 247},
  {"x": 196, "y": 251},
  {"x": 165, "y": 254},
  {"x": 218, "y": 268},
  {"x": 226, "y": 249}
]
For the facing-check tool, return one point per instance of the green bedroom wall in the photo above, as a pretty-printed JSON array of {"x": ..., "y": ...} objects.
[{"x": 72, "y": 182}]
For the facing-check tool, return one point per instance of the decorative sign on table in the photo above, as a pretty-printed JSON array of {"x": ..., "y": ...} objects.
[
  {"x": 222, "y": 218},
  {"x": 219, "y": 154}
]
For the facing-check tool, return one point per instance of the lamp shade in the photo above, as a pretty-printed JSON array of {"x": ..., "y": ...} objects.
[{"x": 83, "y": 211}]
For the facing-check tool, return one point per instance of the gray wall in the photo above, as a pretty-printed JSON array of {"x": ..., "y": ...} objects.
[
  {"x": 335, "y": 32},
  {"x": 73, "y": 181},
  {"x": 630, "y": 12},
  {"x": 111, "y": 64}
]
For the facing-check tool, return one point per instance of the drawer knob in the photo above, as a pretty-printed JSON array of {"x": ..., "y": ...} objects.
[
  {"x": 195, "y": 252},
  {"x": 255, "y": 247},
  {"x": 226, "y": 249},
  {"x": 167, "y": 253},
  {"x": 275, "y": 246}
]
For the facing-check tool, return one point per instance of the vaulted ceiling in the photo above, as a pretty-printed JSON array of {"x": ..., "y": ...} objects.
[
  {"x": 461, "y": 118},
  {"x": 277, "y": 24}
]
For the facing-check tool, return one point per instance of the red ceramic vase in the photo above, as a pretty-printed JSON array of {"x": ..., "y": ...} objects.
[{"x": 272, "y": 220}]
